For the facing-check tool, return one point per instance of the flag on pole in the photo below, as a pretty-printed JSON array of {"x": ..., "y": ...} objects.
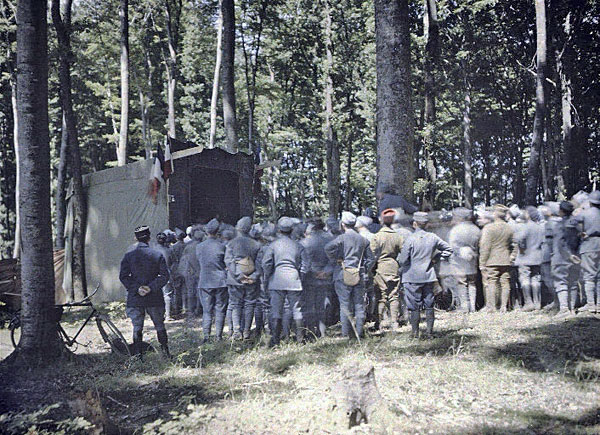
[
  {"x": 156, "y": 175},
  {"x": 168, "y": 162}
]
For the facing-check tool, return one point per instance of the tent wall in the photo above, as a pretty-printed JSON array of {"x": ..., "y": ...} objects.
[{"x": 118, "y": 202}]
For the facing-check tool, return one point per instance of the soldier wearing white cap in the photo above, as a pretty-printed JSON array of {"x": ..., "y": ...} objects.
[{"x": 353, "y": 253}]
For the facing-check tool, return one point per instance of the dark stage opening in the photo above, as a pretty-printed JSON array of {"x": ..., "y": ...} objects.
[{"x": 214, "y": 193}]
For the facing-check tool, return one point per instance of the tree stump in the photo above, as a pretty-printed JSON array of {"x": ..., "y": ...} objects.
[{"x": 357, "y": 393}]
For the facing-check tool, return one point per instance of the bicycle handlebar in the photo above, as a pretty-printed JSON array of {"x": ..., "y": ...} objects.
[{"x": 85, "y": 302}]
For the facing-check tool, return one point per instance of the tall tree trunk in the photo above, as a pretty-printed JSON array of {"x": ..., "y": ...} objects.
[
  {"x": 566, "y": 186},
  {"x": 333, "y": 149},
  {"x": 228, "y": 75},
  {"x": 39, "y": 339},
  {"x": 124, "y": 128},
  {"x": 173, "y": 19},
  {"x": 431, "y": 33},
  {"x": 63, "y": 32},
  {"x": 215, "y": 89},
  {"x": 13, "y": 99},
  {"x": 61, "y": 183},
  {"x": 395, "y": 123},
  {"x": 537, "y": 142},
  {"x": 467, "y": 145}
]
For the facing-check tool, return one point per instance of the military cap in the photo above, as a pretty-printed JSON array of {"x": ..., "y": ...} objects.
[
  {"x": 363, "y": 221},
  {"x": 534, "y": 213},
  {"x": 212, "y": 227},
  {"x": 500, "y": 209},
  {"x": 514, "y": 211},
  {"x": 462, "y": 213},
  {"x": 268, "y": 231},
  {"x": 388, "y": 215},
  {"x": 285, "y": 224},
  {"x": 332, "y": 222},
  {"x": 142, "y": 231},
  {"x": 179, "y": 233},
  {"x": 244, "y": 224},
  {"x": 228, "y": 232},
  {"x": 348, "y": 218},
  {"x": 421, "y": 216},
  {"x": 567, "y": 207},
  {"x": 553, "y": 206},
  {"x": 256, "y": 231},
  {"x": 594, "y": 197},
  {"x": 189, "y": 230}
]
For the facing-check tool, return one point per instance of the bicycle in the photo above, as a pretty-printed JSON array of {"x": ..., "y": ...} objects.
[{"x": 108, "y": 331}]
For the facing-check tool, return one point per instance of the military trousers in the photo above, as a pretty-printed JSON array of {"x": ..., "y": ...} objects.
[
  {"x": 387, "y": 292},
  {"x": 138, "y": 314},
  {"x": 418, "y": 295},
  {"x": 590, "y": 272},
  {"x": 566, "y": 278},
  {"x": 315, "y": 293},
  {"x": 530, "y": 278},
  {"x": 498, "y": 287},
  {"x": 242, "y": 299},
  {"x": 213, "y": 299},
  {"x": 548, "y": 293},
  {"x": 466, "y": 292},
  {"x": 278, "y": 298},
  {"x": 352, "y": 304},
  {"x": 193, "y": 305}
]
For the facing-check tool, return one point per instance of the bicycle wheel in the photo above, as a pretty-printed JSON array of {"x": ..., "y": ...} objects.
[
  {"x": 15, "y": 330},
  {"x": 111, "y": 335}
]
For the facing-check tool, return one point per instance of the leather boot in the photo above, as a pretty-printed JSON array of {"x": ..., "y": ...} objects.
[
  {"x": 164, "y": 343},
  {"x": 490, "y": 298},
  {"x": 429, "y": 318},
  {"x": 536, "y": 291},
  {"x": 528, "y": 305},
  {"x": 589, "y": 288},
  {"x": 463, "y": 299},
  {"x": 136, "y": 347},
  {"x": 415, "y": 318},
  {"x": 300, "y": 330},
  {"x": 258, "y": 316},
  {"x": 275, "y": 333}
]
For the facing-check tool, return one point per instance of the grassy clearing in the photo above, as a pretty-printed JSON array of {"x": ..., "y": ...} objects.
[{"x": 483, "y": 373}]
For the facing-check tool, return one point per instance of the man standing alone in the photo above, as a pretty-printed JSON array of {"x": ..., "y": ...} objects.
[{"x": 144, "y": 273}]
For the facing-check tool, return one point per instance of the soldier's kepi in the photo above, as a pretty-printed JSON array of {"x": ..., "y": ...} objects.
[{"x": 144, "y": 273}]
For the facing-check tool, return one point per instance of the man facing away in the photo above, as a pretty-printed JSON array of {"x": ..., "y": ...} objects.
[
  {"x": 530, "y": 238},
  {"x": 464, "y": 241},
  {"x": 212, "y": 287},
  {"x": 589, "y": 221},
  {"x": 144, "y": 273},
  {"x": 386, "y": 245},
  {"x": 284, "y": 266},
  {"x": 495, "y": 258},
  {"x": 242, "y": 277},
  {"x": 419, "y": 253},
  {"x": 353, "y": 253}
]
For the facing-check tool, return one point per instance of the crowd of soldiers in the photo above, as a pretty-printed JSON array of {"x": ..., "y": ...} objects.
[{"x": 299, "y": 277}]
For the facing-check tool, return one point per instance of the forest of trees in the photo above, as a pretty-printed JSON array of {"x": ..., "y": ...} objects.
[{"x": 480, "y": 116}]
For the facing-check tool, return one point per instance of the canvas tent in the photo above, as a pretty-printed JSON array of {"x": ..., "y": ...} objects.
[{"x": 205, "y": 183}]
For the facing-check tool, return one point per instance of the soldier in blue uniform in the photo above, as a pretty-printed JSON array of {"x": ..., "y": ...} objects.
[
  {"x": 212, "y": 287},
  {"x": 242, "y": 277},
  {"x": 318, "y": 280},
  {"x": 589, "y": 222},
  {"x": 419, "y": 252},
  {"x": 565, "y": 269},
  {"x": 284, "y": 264},
  {"x": 144, "y": 273},
  {"x": 353, "y": 253},
  {"x": 530, "y": 238}
]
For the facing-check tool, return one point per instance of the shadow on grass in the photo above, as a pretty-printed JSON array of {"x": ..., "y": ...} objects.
[
  {"x": 566, "y": 347},
  {"x": 542, "y": 423}
]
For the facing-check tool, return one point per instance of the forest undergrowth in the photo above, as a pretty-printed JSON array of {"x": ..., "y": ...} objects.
[{"x": 482, "y": 373}]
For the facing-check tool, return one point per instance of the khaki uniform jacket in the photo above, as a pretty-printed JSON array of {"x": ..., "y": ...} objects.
[
  {"x": 386, "y": 245},
  {"x": 496, "y": 245}
]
